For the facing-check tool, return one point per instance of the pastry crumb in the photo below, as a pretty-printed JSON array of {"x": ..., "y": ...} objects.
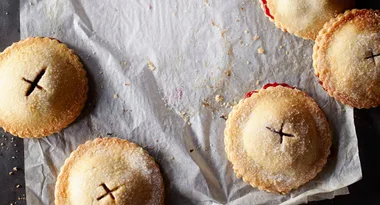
[
  {"x": 224, "y": 117},
  {"x": 116, "y": 96},
  {"x": 18, "y": 186},
  {"x": 248, "y": 62},
  {"x": 260, "y": 50},
  {"x": 205, "y": 104},
  {"x": 228, "y": 72},
  {"x": 213, "y": 23},
  {"x": 229, "y": 52},
  {"x": 127, "y": 84},
  {"x": 255, "y": 38},
  {"x": 257, "y": 82},
  {"x": 151, "y": 66},
  {"x": 224, "y": 32},
  {"x": 219, "y": 98},
  {"x": 15, "y": 169},
  {"x": 123, "y": 63},
  {"x": 10, "y": 173},
  {"x": 185, "y": 117},
  {"x": 172, "y": 158}
]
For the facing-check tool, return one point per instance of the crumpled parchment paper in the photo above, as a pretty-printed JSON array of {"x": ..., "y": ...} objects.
[{"x": 155, "y": 68}]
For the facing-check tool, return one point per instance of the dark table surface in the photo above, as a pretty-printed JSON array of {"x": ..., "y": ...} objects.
[{"x": 12, "y": 183}]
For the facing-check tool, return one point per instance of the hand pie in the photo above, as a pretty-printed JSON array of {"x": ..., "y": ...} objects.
[
  {"x": 304, "y": 18},
  {"x": 277, "y": 138},
  {"x": 347, "y": 58},
  {"x": 43, "y": 87},
  {"x": 109, "y": 171}
]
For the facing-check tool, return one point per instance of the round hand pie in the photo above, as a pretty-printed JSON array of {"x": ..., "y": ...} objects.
[
  {"x": 109, "y": 171},
  {"x": 277, "y": 138},
  {"x": 304, "y": 18},
  {"x": 43, "y": 87},
  {"x": 347, "y": 58}
]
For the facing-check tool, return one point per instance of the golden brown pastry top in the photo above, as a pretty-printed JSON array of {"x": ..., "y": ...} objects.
[
  {"x": 277, "y": 139},
  {"x": 304, "y": 18},
  {"x": 347, "y": 58},
  {"x": 109, "y": 171},
  {"x": 43, "y": 87}
]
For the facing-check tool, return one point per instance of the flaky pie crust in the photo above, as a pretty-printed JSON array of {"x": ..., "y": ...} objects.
[
  {"x": 44, "y": 111},
  {"x": 311, "y": 32},
  {"x": 250, "y": 171},
  {"x": 95, "y": 148},
  {"x": 361, "y": 19}
]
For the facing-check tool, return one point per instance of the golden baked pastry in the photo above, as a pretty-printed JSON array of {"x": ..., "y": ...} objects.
[
  {"x": 109, "y": 171},
  {"x": 347, "y": 58},
  {"x": 304, "y": 18},
  {"x": 277, "y": 138},
  {"x": 43, "y": 87}
]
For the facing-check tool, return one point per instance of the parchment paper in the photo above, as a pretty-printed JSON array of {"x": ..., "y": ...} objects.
[{"x": 170, "y": 106}]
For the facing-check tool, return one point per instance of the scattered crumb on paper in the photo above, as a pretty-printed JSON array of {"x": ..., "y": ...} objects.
[
  {"x": 224, "y": 32},
  {"x": 219, "y": 98},
  {"x": 228, "y": 72},
  {"x": 151, "y": 66},
  {"x": 185, "y": 117},
  {"x": 260, "y": 50}
]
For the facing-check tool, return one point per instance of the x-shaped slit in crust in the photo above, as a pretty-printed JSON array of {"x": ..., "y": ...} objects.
[
  {"x": 373, "y": 56},
  {"x": 34, "y": 83},
  {"x": 280, "y": 132},
  {"x": 108, "y": 192}
]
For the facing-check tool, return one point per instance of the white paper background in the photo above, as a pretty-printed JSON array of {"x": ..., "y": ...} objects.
[{"x": 116, "y": 39}]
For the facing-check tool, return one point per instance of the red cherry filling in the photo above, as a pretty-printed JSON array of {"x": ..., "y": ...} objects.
[
  {"x": 267, "y": 11},
  {"x": 277, "y": 84},
  {"x": 248, "y": 95}
]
